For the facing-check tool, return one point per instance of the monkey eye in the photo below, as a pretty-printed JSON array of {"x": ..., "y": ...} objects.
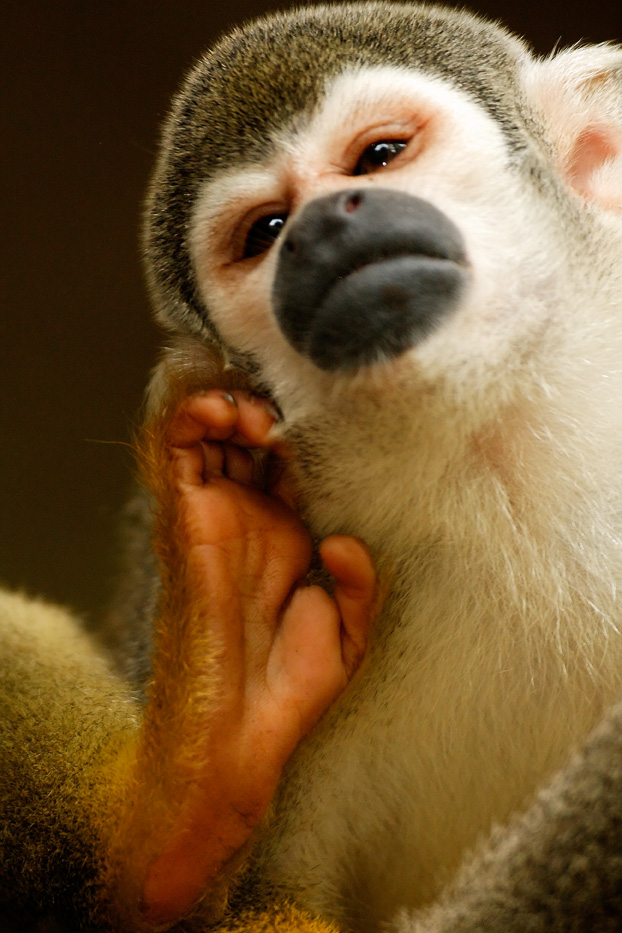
[
  {"x": 262, "y": 234},
  {"x": 378, "y": 155}
]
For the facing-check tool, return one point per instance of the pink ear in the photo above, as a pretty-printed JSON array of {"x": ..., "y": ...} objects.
[
  {"x": 594, "y": 165},
  {"x": 577, "y": 97}
]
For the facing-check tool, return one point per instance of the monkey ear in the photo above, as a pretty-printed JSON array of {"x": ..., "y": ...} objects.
[{"x": 578, "y": 93}]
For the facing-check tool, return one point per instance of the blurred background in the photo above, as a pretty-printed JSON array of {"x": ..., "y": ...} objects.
[{"x": 85, "y": 85}]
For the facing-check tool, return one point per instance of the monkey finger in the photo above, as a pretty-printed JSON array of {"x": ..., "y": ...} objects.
[
  {"x": 348, "y": 560},
  {"x": 212, "y": 415},
  {"x": 306, "y": 670},
  {"x": 256, "y": 418},
  {"x": 238, "y": 464},
  {"x": 228, "y": 460},
  {"x": 213, "y": 459},
  {"x": 195, "y": 465},
  {"x": 190, "y": 464}
]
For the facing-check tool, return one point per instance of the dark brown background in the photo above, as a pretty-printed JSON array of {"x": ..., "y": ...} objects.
[{"x": 85, "y": 85}]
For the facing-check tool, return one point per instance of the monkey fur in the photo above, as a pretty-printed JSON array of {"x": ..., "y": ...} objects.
[{"x": 391, "y": 236}]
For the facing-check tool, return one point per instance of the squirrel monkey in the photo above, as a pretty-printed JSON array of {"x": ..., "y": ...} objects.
[{"x": 384, "y": 241}]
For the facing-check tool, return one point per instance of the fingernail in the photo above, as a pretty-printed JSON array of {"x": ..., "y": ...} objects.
[
  {"x": 266, "y": 404},
  {"x": 229, "y": 398}
]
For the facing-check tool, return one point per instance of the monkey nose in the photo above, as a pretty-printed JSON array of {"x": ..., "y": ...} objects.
[{"x": 363, "y": 275}]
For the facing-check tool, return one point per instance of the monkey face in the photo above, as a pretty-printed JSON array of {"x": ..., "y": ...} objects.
[{"x": 378, "y": 235}]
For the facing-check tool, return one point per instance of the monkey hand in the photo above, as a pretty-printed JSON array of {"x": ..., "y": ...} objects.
[{"x": 247, "y": 657}]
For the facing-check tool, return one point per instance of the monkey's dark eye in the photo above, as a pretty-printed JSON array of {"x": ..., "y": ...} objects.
[
  {"x": 378, "y": 155},
  {"x": 262, "y": 234}
]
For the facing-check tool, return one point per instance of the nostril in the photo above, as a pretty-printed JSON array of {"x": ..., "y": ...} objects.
[{"x": 352, "y": 201}]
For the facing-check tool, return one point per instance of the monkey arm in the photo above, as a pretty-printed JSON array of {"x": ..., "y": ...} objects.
[
  {"x": 152, "y": 809},
  {"x": 246, "y": 658}
]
